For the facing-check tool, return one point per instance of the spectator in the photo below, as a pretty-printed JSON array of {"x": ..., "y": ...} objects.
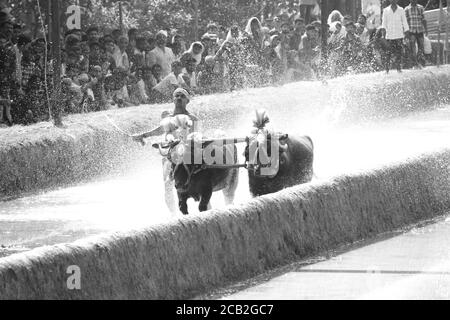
[
  {"x": 347, "y": 18},
  {"x": 116, "y": 33},
  {"x": 309, "y": 45},
  {"x": 132, "y": 35},
  {"x": 284, "y": 46},
  {"x": 351, "y": 49},
  {"x": 109, "y": 64},
  {"x": 334, "y": 43},
  {"x": 116, "y": 69},
  {"x": 252, "y": 53},
  {"x": 335, "y": 16},
  {"x": 361, "y": 30},
  {"x": 149, "y": 79},
  {"x": 231, "y": 51},
  {"x": 96, "y": 56},
  {"x": 274, "y": 59},
  {"x": 309, "y": 50},
  {"x": 177, "y": 46},
  {"x": 208, "y": 44},
  {"x": 93, "y": 34},
  {"x": 212, "y": 28},
  {"x": 161, "y": 54},
  {"x": 156, "y": 73},
  {"x": 196, "y": 51},
  {"x": 299, "y": 31},
  {"x": 209, "y": 81},
  {"x": 418, "y": 28},
  {"x": 138, "y": 58},
  {"x": 189, "y": 72},
  {"x": 120, "y": 55},
  {"x": 98, "y": 88},
  {"x": 222, "y": 35},
  {"x": 254, "y": 34},
  {"x": 395, "y": 27},
  {"x": 163, "y": 91}
]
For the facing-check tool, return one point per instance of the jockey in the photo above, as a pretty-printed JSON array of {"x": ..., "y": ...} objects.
[
  {"x": 179, "y": 118},
  {"x": 173, "y": 125}
]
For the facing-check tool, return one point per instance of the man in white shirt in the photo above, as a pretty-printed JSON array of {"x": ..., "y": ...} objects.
[
  {"x": 395, "y": 28},
  {"x": 161, "y": 55},
  {"x": 120, "y": 54},
  {"x": 171, "y": 82}
]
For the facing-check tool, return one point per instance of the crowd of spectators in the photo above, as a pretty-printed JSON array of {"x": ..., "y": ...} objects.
[{"x": 101, "y": 70}]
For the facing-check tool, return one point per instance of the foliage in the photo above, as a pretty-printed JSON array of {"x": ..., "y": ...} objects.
[{"x": 150, "y": 15}]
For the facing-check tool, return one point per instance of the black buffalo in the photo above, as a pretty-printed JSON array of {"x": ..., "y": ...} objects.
[
  {"x": 269, "y": 172},
  {"x": 197, "y": 182}
]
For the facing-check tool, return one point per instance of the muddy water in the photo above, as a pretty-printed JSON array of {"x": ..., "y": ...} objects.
[{"x": 134, "y": 199}]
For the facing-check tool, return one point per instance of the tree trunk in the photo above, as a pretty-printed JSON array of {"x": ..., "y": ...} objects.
[
  {"x": 195, "y": 3},
  {"x": 56, "y": 59}
]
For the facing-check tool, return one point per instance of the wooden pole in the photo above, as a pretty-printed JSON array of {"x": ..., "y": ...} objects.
[
  {"x": 324, "y": 29},
  {"x": 447, "y": 27},
  {"x": 56, "y": 59},
  {"x": 120, "y": 16},
  {"x": 439, "y": 57},
  {"x": 48, "y": 22},
  {"x": 196, "y": 20}
]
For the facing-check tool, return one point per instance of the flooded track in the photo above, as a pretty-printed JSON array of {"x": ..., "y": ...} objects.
[
  {"x": 134, "y": 199},
  {"x": 413, "y": 265}
]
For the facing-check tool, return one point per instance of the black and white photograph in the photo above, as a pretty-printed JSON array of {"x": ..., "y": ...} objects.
[{"x": 228, "y": 156}]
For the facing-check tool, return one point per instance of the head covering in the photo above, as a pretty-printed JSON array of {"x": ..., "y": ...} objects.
[
  {"x": 210, "y": 60},
  {"x": 197, "y": 57},
  {"x": 272, "y": 38},
  {"x": 163, "y": 32},
  {"x": 211, "y": 25},
  {"x": 248, "y": 27},
  {"x": 230, "y": 37},
  {"x": 183, "y": 91},
  {"x": 335, "y": 15},
  {"x": 248, "y": 30},
  {"x": 176, "y": 35},
  {"x": 206, "y": 36}
]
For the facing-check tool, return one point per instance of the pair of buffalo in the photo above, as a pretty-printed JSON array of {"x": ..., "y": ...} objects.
[{"x": 274, "y": 162}]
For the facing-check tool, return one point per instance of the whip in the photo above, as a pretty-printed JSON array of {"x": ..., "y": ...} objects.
[{"x": 117, "y": 127}]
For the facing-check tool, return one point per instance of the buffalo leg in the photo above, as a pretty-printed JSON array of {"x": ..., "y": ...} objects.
[
  {"x": 182, "y": 204},
  {"x": 169, "y": 186},
  {"x": 206, "y": 198},
  {"x": 231, "y": 187}
]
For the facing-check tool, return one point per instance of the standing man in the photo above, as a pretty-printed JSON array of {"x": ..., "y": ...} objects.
[
  {"x": 395, "y": 28},
  {"x": 417, "y": 28},
  {"x": 299, "y": 31},
  {"x": 161, "y": 54}
]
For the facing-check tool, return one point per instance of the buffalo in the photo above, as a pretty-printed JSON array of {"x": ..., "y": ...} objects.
[
  {"x": 277, "y": 161},
  {"x": 197, "y": 180}
]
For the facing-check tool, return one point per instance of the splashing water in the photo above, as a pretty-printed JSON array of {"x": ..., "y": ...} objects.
[{"x": 136, "y": 198}]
